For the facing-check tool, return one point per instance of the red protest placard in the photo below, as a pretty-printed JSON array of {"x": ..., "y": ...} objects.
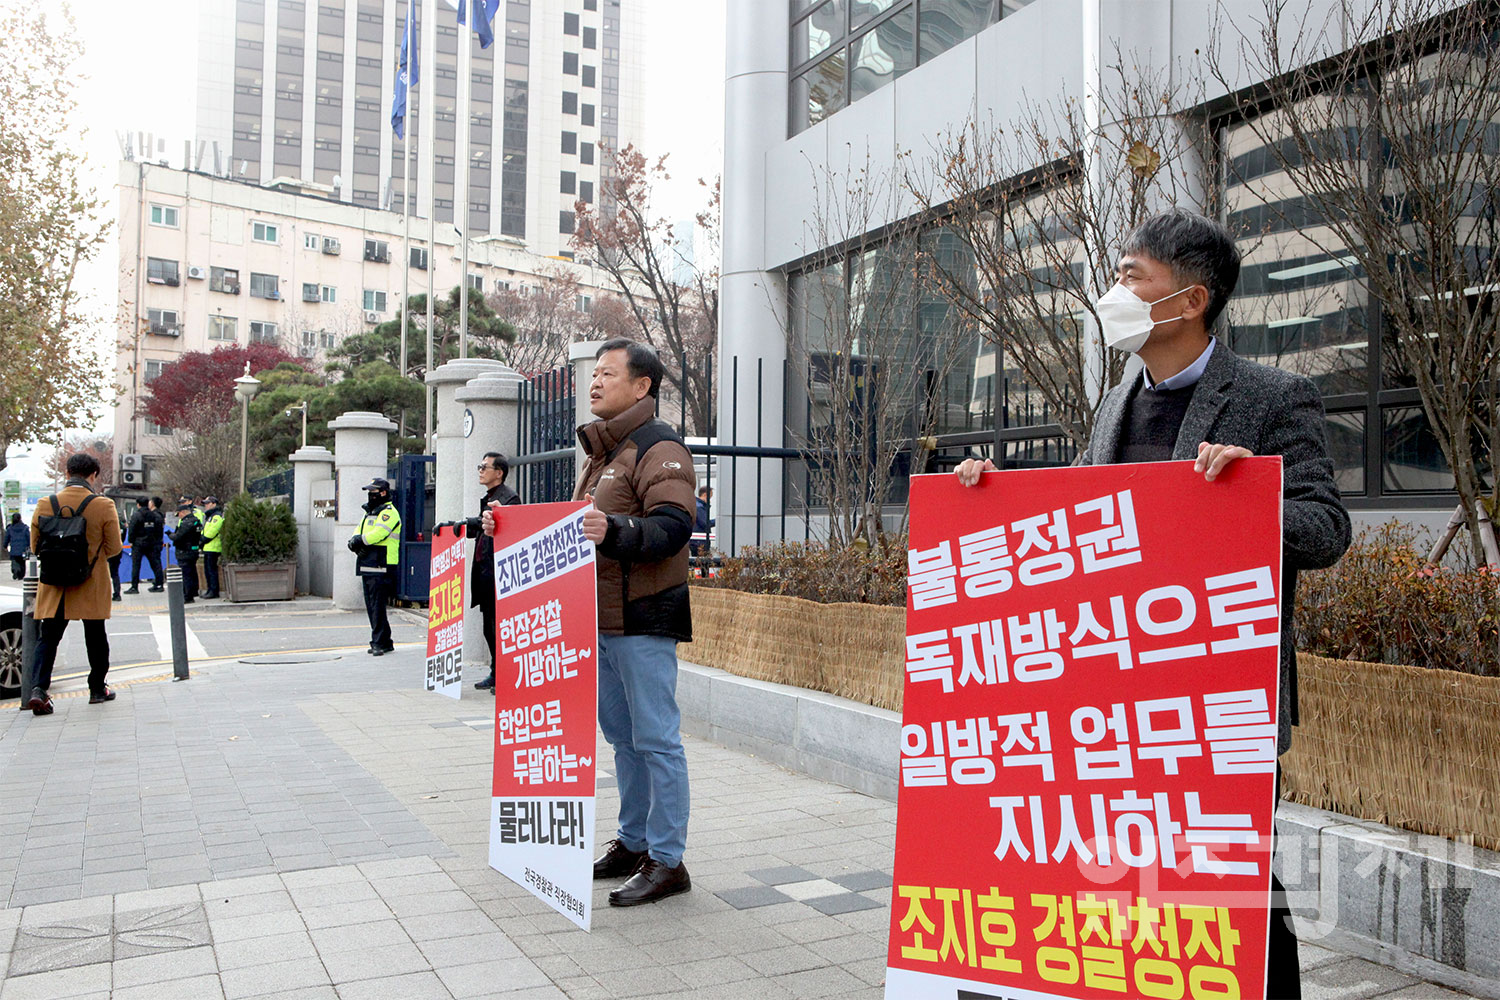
[
  {"x": 546, "y": 705},
  {"x": 445, "y": 615},
  {"x": 1088, "y": 746}
]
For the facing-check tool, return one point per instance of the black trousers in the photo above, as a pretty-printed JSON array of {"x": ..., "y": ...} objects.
[
  {"x": 487, "y": 612},
  {"x": 1283, "y": 971},
  {"x": 211, "y": 573},
  {"x": 17, "y": 567},
  {"x": 49, "y": 637},
  {"x": 114, "y": 572},
  {"x": 152, "y": 555},
  {"x": 378, "y": 590},
  {"x": 189, "y": 564}
]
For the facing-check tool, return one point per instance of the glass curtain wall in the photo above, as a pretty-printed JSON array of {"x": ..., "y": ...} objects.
[{"x": 843, "y": 50}]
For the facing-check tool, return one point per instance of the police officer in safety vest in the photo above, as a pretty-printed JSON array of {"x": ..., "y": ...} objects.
[
  {"x": 213, "y": 546},
  {"x": 377, "y": 549}
]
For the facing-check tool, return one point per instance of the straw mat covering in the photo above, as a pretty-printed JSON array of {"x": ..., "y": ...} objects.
[
  {"x": 1406, "y": 746},
  {"x": 853, "y": 650}
]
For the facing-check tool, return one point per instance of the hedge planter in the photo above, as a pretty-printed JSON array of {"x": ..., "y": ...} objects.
[{"x": 260, "y": 581}]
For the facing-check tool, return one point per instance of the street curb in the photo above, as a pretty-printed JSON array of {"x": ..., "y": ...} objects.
[{"x": 1417, "y": 903}]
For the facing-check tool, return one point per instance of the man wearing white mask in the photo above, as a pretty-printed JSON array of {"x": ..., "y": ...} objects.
[{"x": 1193, "y": 398}]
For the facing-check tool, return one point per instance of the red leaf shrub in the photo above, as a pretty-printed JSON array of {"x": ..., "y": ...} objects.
[{"x": 198, "y": 383}]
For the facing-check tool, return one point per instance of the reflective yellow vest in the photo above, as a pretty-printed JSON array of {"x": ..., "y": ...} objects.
[
  {"x": 213, "y": 526},
  {"x": 383, "y": 528}
]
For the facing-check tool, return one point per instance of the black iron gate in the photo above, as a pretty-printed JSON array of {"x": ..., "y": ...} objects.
[{"x": 543, "y": 469}]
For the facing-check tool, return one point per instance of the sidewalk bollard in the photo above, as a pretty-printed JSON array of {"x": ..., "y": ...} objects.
[
  {"x": 28, "y": 630},
  {"x": 175, "y": 613}
]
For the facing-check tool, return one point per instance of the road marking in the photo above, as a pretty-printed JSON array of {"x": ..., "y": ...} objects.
[{"x": 161, "y": 627}]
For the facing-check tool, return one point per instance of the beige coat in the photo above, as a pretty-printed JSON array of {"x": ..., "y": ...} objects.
[{"x": 90, "y": 599}]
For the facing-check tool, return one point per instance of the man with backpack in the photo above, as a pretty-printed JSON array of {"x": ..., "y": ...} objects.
[{"x": 74, "y": 533}]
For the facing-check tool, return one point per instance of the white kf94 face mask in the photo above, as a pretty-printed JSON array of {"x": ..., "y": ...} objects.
[{"x": 1126, "y": 318}]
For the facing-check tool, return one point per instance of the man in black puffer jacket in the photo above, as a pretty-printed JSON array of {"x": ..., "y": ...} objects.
[{"x": 492, "y": 473}]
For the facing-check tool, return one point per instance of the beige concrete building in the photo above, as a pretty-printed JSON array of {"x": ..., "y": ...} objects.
[{"x": 207, "y": 262}]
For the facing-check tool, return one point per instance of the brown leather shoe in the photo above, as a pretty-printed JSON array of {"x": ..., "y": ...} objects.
[
  {"x": 617, "y": 861},
  {"x": 651, "y": 881},
  {"x": 40, "y": 704},
  {"x": 102, "y": 696}
]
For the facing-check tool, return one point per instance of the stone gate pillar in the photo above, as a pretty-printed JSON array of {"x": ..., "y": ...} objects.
[
  {"x": 310, "y": 464},
  {"x": 450, "y": 476}
]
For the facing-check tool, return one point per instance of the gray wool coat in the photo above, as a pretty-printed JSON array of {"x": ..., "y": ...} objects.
[{"x": 1270, "y": 412}]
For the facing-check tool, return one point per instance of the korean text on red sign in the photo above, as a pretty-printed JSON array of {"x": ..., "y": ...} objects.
[
  {"x": 443, "y": 668},
  {"x": 546, "y": 631},
  {"x": 1088, "y": 742}
]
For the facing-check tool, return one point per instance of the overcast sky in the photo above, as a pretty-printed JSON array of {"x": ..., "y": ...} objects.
[{"x": 139, "y": 70}]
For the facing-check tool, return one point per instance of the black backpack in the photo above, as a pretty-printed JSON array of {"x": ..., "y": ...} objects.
[{"x": 63, "y": 546}]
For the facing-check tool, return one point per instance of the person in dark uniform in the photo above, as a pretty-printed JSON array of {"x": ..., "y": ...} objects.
[
  {"x": 492, "y": 474},
  {"x": 186, "y": 538},
  {"x": 377, "y": 550}
]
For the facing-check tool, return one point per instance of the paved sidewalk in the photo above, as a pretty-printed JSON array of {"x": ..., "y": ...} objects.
[{"x": 318, "y": 830}]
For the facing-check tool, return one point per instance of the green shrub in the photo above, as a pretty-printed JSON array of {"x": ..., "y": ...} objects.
[
  {"x": 259, "y": 531},
  {"x": 1379, "y": 604},
  {"x": 857, "y": 574}
]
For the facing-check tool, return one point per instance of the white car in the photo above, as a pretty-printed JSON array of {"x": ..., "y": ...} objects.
[{"x": 10, "y": 644}]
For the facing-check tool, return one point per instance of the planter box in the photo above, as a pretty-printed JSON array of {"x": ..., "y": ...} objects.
[
  {"x": 857, "y": 651},
  {"x": 260, "y": 581}
]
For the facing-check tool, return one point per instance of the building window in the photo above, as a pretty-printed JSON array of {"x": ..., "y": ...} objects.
[
  {"x": 162, "y": 322},
  {"x": 590, "y": 38},
  {"x": 570, "y": 24},
  {"x": 154, "y": 429},
  {"x": 590, "y": 4},
  {"x": 329, "y": 293},
  {"x": 224, "y": 279},
  {"x": 309, "y": 345},
  {"x": 570, "y": 63},
  {"x": 223, "y": 328},
  {"x": 153, "y": 369},
  {"x": 161, "y": 272},
  {"x": 262, "y": 333},
  {"x": 586, "y": 192},
  {"x": 565, "y": 223},
  {"x": 164, "y": 215},
  {"x": 419, "y": 258},
  {"x": 377, "y": 251},
  {"x": 309, "y": 291},
  {"x": 589, "y": 74},
  {"x": 586, "y": 153},
  {"x": 588, "y": 114},
  {"x": 310, "y": 241},
  {"x": 326, "y": 339},
  {"x": 264, "y": 286},
  {"x": 569, "y": 182},
  {"x": 476, "y": 282},
  {"x": 570, "y": 103},
  {"x": 374, "y": 301},
  {"x": 569, "y": 143},
  {"x": 584, "y": 303},
  {"x": 264, "y": 232}
]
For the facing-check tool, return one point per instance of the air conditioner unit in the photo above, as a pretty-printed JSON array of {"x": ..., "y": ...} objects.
[
  {"x": 372, "y": 317},
  {"x": 132, "y": 477},
  {"x": 172, "y": 281},
  {"x": 197, "y": 273},
  {"x": 132, "y": 462},
  {"x": 330, "y": 246},
  {"x": 160, "y": 330},
  {"x": 306, "y": 352}
]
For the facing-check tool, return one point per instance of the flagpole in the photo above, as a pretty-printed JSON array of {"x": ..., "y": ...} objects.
[
  {"x": 461, "y": 205},
  {"x": 429, "y": 14}
]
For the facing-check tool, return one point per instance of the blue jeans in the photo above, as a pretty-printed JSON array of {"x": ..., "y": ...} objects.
[{"x": 638, "y": 715}]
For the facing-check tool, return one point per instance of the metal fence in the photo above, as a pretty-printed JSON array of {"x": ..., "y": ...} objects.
[
  {"x": 277, "y": 484},
  {"x": 544, "y": 465}
]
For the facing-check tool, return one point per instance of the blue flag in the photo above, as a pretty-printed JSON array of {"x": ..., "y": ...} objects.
[
  {"x": 406, "y": 71},
  {"x": 484, "y": 15}
]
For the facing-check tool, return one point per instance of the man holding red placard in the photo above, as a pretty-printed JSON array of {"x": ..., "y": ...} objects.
[{"x": 1195, "y": 399}]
